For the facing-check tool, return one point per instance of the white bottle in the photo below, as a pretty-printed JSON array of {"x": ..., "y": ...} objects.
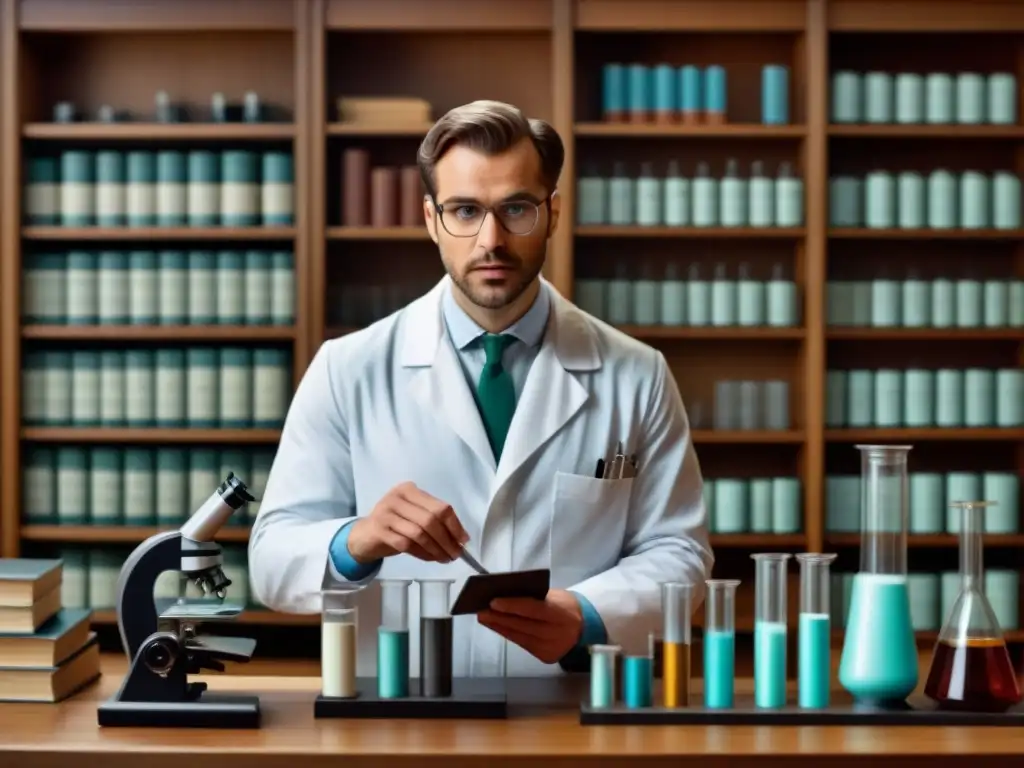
[
  {"x": 733, "y": 196},
  {"x": 723, "y": 298},
  {"x": 648, "y": 197},
  {"x": 676, "y": 203},
  {"x": 761, "y": 207},
  {"x": 620, "y": 197},
  {"x": 705, "y": 198},
  {"x": 789, "y": 198}
]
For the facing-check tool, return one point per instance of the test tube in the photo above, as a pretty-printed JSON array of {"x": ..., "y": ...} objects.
[
  {"x": 675, "y": 643},
  {"x": 338, "y": 644},
  {"x": 637, "y": 677},
  {"x": 603, "y": 661},
  {"x": 435, "y": 638},
  {"x": 814, "y": 658},
  {"x": 770, "y": 629},
  {"x": 720, "y": 643},
  {"x": 393, "y": 639}
]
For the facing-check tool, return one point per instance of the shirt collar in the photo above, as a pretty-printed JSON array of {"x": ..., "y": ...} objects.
[{"x": 464, "y": 330}]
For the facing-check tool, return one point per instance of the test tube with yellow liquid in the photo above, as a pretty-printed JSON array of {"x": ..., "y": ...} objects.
[
  {"x": 676, "y": 602},
  {"x": 338, "y": 628}
]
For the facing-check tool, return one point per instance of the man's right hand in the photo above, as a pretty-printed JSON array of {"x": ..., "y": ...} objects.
[{"x": 411, "y": 521}]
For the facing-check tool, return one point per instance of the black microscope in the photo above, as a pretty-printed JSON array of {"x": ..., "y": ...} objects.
[{"x": 159, "y": 634}]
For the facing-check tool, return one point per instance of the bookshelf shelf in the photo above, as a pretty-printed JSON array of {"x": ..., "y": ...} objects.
[
  {"x": 548, "y": 57},
  {"x": 149, "y": 435},
  {"x": 129, "y": 333}
]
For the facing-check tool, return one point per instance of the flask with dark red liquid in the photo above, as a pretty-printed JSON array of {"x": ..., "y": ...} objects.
[{"x": 971, "y": 668}]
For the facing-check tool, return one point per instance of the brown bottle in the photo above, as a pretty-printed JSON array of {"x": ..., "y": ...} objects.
[
  {"x": 411, "y": 207},
  {"x": 384, "y": 197}
]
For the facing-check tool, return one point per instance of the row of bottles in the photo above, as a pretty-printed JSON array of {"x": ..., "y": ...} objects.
[
  {"x": 750, "y": 405},
  {"x": 918, "y": 397},
  {"x": 221, "y": 109},
  {"x": 930, "y": 496},
  {"x": 190, "y": 387},
  {"x": 358, "y": 304},
  {"x": 937, "y": 98},
  {"x": 915, "y": 303},
  {"x": 668, "y": 299},
  {"x": 932, "y": 596},
  {"x": 663, "y": 93},
  {"x": 676, "y": 200},
  {"x": 753, "y": 505},
  {"x": 379, "y": 196},
  {"x": 111, "y": 485},
  {"x": 160, "y": 188},
  {"x": 170, "y": 287},
  {"x": 90, "y": 577},
  {"x": 942, "y": 200}
]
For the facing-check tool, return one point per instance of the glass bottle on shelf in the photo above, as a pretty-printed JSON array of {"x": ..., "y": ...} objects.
[
  {"x": 971, "y": 668},
  {"x": 878, "y": 666}
]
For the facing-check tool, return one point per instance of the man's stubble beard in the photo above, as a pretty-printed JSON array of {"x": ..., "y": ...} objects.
[{"x": 499, "y": 300}]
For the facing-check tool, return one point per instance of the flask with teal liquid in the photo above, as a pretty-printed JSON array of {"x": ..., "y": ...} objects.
[{"x": 879, "y": 661}]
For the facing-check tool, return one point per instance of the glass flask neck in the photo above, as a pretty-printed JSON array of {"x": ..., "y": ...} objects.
[{"x": 972, "y": 564}]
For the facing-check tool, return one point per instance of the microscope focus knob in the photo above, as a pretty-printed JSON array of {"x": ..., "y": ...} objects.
[{"x": 160, "y": 651}]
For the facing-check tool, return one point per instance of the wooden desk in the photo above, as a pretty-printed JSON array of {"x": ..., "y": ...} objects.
[{"x": 66, "y": 734}]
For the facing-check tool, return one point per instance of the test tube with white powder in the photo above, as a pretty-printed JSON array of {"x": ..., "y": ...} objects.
[{"x": 338, "y": 647}]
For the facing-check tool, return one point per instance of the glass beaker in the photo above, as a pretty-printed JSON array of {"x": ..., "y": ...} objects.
[
  {"x": 675, "y": 643},
  {"x": 393, "y": 639},
  {"x": 770, "y": 629},
  {"x": 814, "y": 656},
  {"x": 879, "y": 661},
  {"x": 436, "y": 625},
  {"x": 720, "y": 643},
  {"x": 603, "y": 662},
  {"x": 338, "y": 644},
  {"x": 971, "y": 668}
]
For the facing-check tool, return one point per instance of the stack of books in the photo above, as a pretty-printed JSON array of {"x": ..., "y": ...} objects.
[{"x": 47, "y": 651}]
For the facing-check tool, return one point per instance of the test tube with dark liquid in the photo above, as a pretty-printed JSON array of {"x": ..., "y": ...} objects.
[
  {"x": 435, "y": 638},
  {"x": 675, "y": 643},
  {"x": 393, "y": 639}
]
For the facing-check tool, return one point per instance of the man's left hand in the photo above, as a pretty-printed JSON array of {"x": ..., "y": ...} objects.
[{"x": 548, "y": 629}]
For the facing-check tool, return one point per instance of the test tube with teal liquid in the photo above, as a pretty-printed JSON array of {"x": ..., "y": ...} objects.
[
  {"x": 393, "y": 639},
  {"x": 638, "y": 677},
  {"x": 770, "y": 629},
  {"x": 814, "y": 662},
  {"x": 603, "y": 661},
  {"x": 720, "y": 643}
]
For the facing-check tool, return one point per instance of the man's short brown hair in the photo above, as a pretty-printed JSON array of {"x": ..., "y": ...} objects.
[{"x": 490, "y": 127}]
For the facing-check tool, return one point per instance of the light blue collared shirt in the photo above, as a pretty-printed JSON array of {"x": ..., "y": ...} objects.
[{"x": 465, "y": 334}]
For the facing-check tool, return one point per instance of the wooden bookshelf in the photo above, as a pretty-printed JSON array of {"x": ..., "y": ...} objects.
[{"x": 546, "y": 57}]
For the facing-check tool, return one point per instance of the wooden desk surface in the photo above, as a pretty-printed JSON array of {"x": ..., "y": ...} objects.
[{"x": 47, "y": 736}]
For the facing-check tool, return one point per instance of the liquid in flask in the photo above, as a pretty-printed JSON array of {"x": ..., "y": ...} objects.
[{"x": 971, "y": 668}]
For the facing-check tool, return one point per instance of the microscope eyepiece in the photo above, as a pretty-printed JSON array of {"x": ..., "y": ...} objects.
[{"x": 234, "y": 492}]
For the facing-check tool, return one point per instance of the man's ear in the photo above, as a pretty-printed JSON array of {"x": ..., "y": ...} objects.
[
  {"x": 555, "y": 207},
  {"x": 430, "y": 216}
]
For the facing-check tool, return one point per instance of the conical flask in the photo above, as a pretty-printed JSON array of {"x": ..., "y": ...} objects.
[
  {"x": 971, "y": 668},
  {"x": 879, "y": 661}
]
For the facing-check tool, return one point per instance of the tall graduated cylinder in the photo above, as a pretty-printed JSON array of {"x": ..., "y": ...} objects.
[
  {"x": 814, "y": 654},
  {"x": 436, "y": 638},
  {"x": 393, "y": 639},
  {"x": 676, "y": 605},
  {"x": 338, "y": 644},
  {"x": 770, "y": 629},
  {"x": 720, "y": 643},
  {"x": 879, "y": 660}
]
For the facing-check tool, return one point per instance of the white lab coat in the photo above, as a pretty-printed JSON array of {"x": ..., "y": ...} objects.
[{"x": 390, "y": 403}]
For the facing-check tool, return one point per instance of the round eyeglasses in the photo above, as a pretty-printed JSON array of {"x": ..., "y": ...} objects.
[{"x": 517, "y": 217}]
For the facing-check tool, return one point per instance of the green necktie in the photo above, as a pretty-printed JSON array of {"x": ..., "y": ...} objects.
[{"x": 496, "y": 395}]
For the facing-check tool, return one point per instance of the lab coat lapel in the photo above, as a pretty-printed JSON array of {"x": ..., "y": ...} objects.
[
  {"x": 439, "y": 386},
  {"x": 552, "y": 394}
]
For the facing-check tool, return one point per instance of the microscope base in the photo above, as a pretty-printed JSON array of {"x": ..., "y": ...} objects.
[{"x": 211, "y": 711}]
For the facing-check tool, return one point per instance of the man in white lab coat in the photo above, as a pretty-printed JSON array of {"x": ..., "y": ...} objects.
[{"x": 476, "y": 417}]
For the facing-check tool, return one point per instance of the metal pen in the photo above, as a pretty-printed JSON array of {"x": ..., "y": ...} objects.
[{"x": 471, "y": 561}]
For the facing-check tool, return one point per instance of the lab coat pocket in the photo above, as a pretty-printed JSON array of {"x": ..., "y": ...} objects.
[{"x": 588, "y": 524}]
